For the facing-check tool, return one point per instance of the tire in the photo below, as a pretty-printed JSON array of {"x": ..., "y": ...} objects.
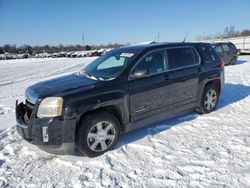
[
  {"x": 210, "y": 90},
  {"x": 233, "y": 61},
  {"x": 97, "y": 134}
]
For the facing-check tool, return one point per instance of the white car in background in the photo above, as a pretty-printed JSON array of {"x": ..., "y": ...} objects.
[{"x": 2, "y": 57}]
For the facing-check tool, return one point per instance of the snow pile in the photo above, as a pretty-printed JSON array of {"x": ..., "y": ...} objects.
[{"x": 210, "y": 150}]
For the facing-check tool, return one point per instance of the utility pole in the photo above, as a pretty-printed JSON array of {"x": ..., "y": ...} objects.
[
  {"x": 83, "y": 40},
  {"x": 158, "y": 38}
]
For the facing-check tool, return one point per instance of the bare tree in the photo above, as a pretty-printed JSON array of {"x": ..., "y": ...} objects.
[
  {"x": 228, "y": 32},
  {"x": 245, "y": 32}
]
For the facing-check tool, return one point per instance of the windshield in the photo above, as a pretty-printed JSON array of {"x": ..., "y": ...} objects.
[{"x": 108, "y": 66}]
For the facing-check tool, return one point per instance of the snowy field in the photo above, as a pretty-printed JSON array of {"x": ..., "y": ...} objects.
[{"x": 190, "y": 150}]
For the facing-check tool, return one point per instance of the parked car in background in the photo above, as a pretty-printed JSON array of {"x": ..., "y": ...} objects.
[
  {"x": 9, "y": 56},
  {"x": 228, "y": 52},
  {"x": 120, "y": 91},
  {"x": 22, "y": 56},
  {"x": 84, "y": 53},
  {"x": 74, "y": 54},
  {"x": 43, "y": 55},
  {"x": 69, "y": 54},
  {"x": 2, "y": 56},
  {"x": 62, "y": 54},
  {"x": 95, "y": 53},
  {"x": 54, "y": 55}
]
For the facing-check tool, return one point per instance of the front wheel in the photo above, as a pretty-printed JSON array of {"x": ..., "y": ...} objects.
[
  {"x": 209, "y": 99},
  {"x": 97, "y": 134}
]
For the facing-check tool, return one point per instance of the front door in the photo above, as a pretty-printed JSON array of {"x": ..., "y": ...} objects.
[{"x": 149, "y": 94}]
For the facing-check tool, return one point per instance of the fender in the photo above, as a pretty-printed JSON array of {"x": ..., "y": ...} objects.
[
  {"x": 77, "y": 107},
  {"x": 214, "y": 75}
]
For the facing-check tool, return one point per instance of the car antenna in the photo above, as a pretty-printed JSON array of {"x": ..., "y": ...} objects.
[{"x": 185, "y": 38}]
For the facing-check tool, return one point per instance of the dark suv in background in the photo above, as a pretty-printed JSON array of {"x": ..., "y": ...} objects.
[
  {"x": 228, "y": 52},
  {"x": 121, "y": 91}
]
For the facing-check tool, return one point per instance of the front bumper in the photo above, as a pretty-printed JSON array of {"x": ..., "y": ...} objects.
[{"x": 53, "y": 135}]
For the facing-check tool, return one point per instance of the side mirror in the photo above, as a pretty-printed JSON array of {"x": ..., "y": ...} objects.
[{"x": 139, "y": 74}]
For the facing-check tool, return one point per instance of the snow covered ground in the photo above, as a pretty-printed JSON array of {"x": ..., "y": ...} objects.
[{"x": 190, "y": 150}]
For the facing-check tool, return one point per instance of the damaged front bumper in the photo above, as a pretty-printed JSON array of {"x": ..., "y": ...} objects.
[{"x": 53, "y": 135}]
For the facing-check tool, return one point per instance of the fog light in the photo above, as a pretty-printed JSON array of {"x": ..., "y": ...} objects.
[{"x": 45, "y": 134}]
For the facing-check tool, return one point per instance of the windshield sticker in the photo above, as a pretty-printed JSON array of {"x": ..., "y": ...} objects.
[{"x": 126, "y": 54}]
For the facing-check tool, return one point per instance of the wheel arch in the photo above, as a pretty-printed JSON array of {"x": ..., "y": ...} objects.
[
  {"x": 111, "y": 109},
  {"x": 215, "y": 82},
  {"x": 204, "y": 84}
]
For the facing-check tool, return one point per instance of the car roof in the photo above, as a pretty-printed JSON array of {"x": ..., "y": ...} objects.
[
  {"x": 139, "y": 48},
  {"x": 215, "y": 43}
]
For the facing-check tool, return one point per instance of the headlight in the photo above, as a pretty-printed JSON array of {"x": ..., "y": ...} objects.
[{"x": 50, "y": 107}]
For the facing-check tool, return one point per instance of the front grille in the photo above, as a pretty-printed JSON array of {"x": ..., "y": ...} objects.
[
  {"x": 29, "y": 105},
  {"x": 29, "y": 108}
]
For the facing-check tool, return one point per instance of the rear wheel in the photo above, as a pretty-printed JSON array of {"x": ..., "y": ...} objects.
[
  {"x": 97, "y": 134},
  {"x": 209, "y": 99},
  {"x": 233, "y": 61}
]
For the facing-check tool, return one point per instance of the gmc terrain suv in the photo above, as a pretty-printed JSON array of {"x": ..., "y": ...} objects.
[{"x": 123, "y": 90}]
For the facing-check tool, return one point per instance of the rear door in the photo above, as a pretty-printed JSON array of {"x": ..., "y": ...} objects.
[
  {"x": 227, "y": 53},
  {"x": 184, "y": 73}
]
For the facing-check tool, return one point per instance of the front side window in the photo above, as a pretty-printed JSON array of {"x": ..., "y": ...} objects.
[
  {"x": 108, "y": 66},
  {"x": 182, "y": 57},
  {"x": 152, "y": 63}
]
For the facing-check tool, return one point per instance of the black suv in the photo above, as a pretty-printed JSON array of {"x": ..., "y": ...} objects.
[
  {"x": 122, "y": 90},
  {"x": 227, "y": 51}
]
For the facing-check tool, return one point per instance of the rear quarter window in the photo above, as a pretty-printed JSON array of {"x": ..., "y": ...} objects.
[
  {"x": 232, "y": 47},
  {"x": 182, "y": 57},
  {"x": 208, "y": 53}
]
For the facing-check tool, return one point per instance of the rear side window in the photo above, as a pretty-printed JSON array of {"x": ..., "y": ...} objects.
[
  {"x": 225, "y": 47},
  {"x": 218, "y": 49},
  {"x": 182, "y": 57}
]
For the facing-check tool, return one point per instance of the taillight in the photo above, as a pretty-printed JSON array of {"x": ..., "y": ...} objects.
[{"x": 222, "y": 63}]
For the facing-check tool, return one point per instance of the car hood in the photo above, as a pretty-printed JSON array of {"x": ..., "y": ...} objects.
[{"x": 58, "y": 87}]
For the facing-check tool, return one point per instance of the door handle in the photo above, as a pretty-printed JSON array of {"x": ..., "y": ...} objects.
[
  {"x": 200, "y": 69},
  {"x": 166, "y": 77}
]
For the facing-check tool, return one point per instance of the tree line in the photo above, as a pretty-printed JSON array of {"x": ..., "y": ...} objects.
[
  {"x": 52, "y": 49},
  {"x": 229, "y": 32}
]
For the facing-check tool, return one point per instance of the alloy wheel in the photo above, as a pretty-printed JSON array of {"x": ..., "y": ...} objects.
[
  {"x": 101, "y": 136},
  {"x": 210, "y": 99}
]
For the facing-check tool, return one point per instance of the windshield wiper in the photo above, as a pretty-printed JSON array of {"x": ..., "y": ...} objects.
[
  {"x": 88, "y": 75},
  {"x": 83, "y": 73}
]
